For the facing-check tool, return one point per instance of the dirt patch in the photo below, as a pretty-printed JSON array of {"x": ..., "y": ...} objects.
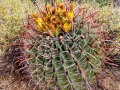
[
  {"x": 110, "y": 80},
  {"x": 111, "y": 77},
  {"x": 11, "y": 83}
]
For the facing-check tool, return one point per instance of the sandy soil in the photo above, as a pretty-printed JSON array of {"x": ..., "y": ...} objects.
[
  {"x": 110, "y": 81},
  {"x": 11, "y": 83}
]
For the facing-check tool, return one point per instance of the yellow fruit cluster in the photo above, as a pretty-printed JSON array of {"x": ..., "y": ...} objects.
[{"x": 55, "y": 19}]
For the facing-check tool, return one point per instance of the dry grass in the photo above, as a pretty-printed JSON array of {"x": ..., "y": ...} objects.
[{"x": 12, "y": 15}]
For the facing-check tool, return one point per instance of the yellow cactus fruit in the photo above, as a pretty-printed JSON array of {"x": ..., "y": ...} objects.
[
  {"x": 52, "y": 19},
  {"x": 35, "y": 15},
  {"x": 35, "y": 19},
  {"x": 67, "y": 26},
  {"x": 64, "y": 19},
  {"x": 55, "y": 19},
  {"x": 39, "y": 23},
  {"x": 48, "y": 7},
  {"x": 39, "y": 20},
  {"x": 62, "y": 6},
  {"x": 53, "y": 11},
  {"x": 57, "y": 4},
  {"x": 44, "y": 14},
  {"x": 71, "y": 7},
  {"x": 51, "y": 26},
  {"x": 70, "y": 15}
]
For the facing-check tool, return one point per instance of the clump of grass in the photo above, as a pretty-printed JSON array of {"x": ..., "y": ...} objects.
[
  {"x": 102, "y": 2},
  {"x": 110, "y": 16},
  {"x": 117, "y": 26},
  {"x": 12, "y": 13}
]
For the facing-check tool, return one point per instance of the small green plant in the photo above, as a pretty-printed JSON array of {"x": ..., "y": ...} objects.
[
  {"x": 59, "y": 56},
  {"x": 103, "y": 2}
]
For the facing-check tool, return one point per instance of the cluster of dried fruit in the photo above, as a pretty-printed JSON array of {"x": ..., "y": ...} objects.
[{"x": 55, "y": 19}]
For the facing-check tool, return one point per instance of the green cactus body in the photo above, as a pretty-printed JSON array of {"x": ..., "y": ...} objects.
[{"x": 69, "y": 60}]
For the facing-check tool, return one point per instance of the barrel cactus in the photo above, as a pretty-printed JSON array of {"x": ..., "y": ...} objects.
[{"x": 65, "y": 48}]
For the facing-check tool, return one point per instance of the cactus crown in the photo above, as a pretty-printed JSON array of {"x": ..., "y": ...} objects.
[{"x": 55, "y": 19}]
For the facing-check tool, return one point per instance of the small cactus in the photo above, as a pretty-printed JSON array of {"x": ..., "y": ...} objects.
[{"x": 65, "y": 47}]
